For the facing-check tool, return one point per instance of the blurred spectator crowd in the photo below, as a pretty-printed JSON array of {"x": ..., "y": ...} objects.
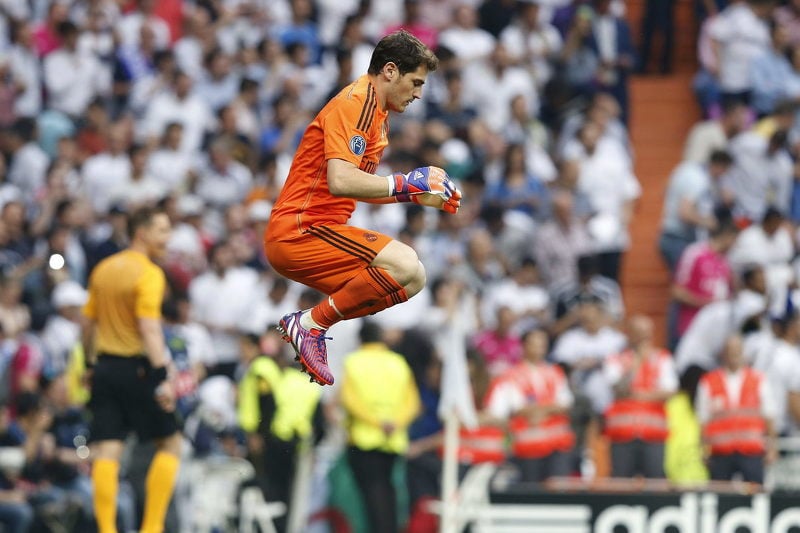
[{"x": 198, "y": 107}]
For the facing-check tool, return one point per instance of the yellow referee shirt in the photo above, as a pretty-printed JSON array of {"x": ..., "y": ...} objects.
[{"x": 123, "y": 288}]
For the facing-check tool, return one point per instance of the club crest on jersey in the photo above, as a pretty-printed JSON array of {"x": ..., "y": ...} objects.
[{"x": 357, "y": 144}]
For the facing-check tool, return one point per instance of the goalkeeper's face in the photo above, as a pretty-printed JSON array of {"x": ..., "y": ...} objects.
[{"x": 405, "y": 88}]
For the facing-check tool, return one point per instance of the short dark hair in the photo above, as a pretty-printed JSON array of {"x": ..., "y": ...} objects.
[
  {"x": 405, "y": 51},
  {"x": 141, "y": 218},
  {"x": 370, "y": 332},
  {"x": 720, "y": 157}
]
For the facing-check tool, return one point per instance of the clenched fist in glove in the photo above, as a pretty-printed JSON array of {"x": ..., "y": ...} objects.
[{"x": 429, "y": 186}]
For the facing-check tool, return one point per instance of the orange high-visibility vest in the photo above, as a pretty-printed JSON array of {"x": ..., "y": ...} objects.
[
  {"x": 738, "y": 428},
  {"x": 553, "y": 433},
  {"x": 627, "y": 419},
  {"x": 484, "y": 444}
]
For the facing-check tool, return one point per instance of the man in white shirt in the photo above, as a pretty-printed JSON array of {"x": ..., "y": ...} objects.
[
  {"x": 710, "y": 135},
  {"x": 468, "y": 41},
  {"x": 169, "y": 165},
  {"x": 740, "y": 34},
  {"x": 224, "y": 181},
  {"x": 179, "y": 105},
  {"x": 692, "y": 193},
  {"x": 584, "y": 349},
  {"x": 607, "y": 180},
  {"x": 532, "y": 42},
  {"x": 782, "y": 370},
  {"x": 29, "y": 163},
  {"x": 73, "y": 79},
  {"x": 224, "y": 317},
  {"x": 129, "y": 27},
  {"x": 62, "y": 330},
  {"x": 27, "y": 70},
  {"x": 739, "y": 439},
  {"x": 107, "y": 171}
]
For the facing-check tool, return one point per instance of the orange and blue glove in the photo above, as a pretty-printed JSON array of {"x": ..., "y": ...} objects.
[{"x": 427, "y": 180}]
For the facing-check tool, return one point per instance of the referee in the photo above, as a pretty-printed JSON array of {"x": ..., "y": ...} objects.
[{"x": 130, "y": 388}]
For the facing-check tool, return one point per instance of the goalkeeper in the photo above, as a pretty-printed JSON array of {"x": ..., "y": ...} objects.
[{"x": 308, "y": 240}]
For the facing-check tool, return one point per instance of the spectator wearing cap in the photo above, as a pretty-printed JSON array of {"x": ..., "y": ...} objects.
[
  {"x": 73, "y": 79},
  {"x": 692, "y": 192},
  {"x": 642, "y": 378},
  {"x": 61, "y": 332},
  {"x": 737, "y": 413}
]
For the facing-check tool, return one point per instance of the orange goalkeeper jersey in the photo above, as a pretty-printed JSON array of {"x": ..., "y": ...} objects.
[{"x": 351, "y": 127}]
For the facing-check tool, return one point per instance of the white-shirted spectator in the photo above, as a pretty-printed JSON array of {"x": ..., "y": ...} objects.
[
  {"x": 782, "y": 370},
  {"x": 501, "y": 82},
  {"x": 141, "y": 188},
  {"x": 223, "y": 317},
  {"x": 27, "y": 70},
  {"x": 701, "y": 343},
  {"x": 107, "y": 171},
  {"x": 693, "y": 192},
  {"x": 62, "y": 330},
  {"x": 523, "y": 293},
  {"x": 182, "y": 106},
  {"x": 607, "y": 181},
  {"x": 740, "y": 34},
  {"x": 532, "y": 41},
  {"x": 73, "y": 79},
  {"x": 707, "y": 136},
  {"x": 169, "y": 165},
  {"x": 220, "y": 85},
  {"x": 469, "y": 42},
  {"x": 29, "y": 164},
  {"x": 131, "y": 23},
  {"x": 223, "y": 181},
  {"x": 604, "y": 110},
  {"x": 763, "y": 170},
  {"x": 585, "y": 348}
]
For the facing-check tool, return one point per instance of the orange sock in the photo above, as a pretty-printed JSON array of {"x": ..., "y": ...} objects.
[
  {"x": 159, "y": 485},
  {"x": 105, "y": 483},
  {"x": 372, "y": 290}
]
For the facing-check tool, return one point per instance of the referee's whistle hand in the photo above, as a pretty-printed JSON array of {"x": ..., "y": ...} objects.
[{"x": 165, "y": 396}]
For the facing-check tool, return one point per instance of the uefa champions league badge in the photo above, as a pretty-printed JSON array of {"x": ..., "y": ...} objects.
[{"x": 358, "y": 145}]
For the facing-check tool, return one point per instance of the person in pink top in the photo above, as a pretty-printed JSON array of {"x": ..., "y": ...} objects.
[
  {"x": 500, "y": 347},
  {"x": 45, "y": 35},
  {"x": 413, "y": 23},
  {"x": 703, "y": 274}
]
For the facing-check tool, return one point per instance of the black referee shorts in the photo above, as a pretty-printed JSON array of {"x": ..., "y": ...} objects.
[{"x": 123, "y": 400}]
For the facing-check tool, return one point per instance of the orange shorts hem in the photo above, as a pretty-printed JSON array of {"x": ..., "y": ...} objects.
[{"x": 325, "y": 256}]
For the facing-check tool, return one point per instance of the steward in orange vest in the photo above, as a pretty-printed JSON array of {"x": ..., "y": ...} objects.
[
  {"x": 643, "y": 378},
  {"x": 534, "y": 397},
  {"x": 736, "y": 412}
]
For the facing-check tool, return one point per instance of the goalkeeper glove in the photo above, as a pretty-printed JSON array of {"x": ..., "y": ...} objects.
[{"x": 426, "y": 181}]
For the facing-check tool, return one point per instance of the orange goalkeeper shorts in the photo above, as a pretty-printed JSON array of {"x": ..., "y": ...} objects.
[{"x": 324, "y": 257}]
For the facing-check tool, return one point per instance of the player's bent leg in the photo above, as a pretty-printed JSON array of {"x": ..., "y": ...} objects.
[{"x": 400, "y": 261}]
